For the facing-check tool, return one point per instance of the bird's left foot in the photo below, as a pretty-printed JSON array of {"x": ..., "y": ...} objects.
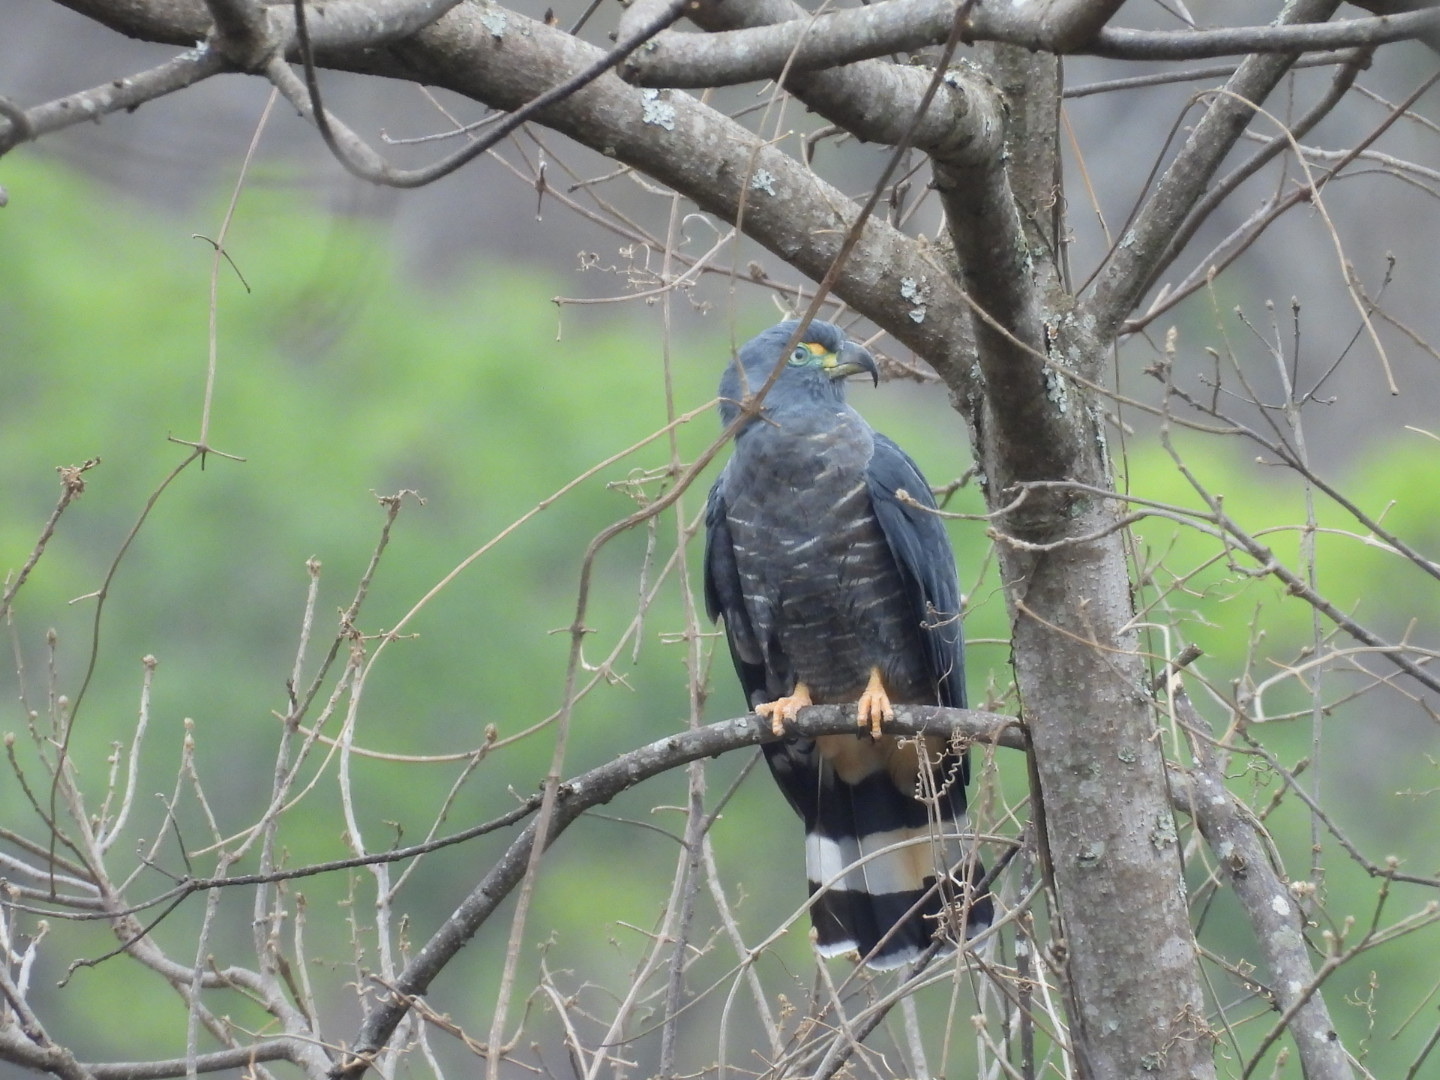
[
  {"x": 875, "y": 707},
  {"x": 784, "y": 710}
]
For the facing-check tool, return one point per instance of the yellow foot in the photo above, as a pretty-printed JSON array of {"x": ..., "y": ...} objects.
[
  {"x": 875, "y": 706},
  {"x": 784, "y": 709}
]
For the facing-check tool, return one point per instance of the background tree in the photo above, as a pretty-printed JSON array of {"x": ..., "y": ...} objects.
[{"x": 1059, "y": 337}]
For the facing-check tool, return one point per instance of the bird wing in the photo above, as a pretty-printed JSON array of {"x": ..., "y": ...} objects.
[
  {"x": 921, "y": 549},
  {"x": 724, "y": 598}
]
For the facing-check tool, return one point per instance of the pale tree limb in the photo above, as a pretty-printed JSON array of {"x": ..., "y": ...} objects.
[
  {"x": 800, "y": 41},
  {"x": 1056, "y": 25},
  {"x": 361, "y": 161},
  {"x": 118, "y": 95},
  {"x": 877, "y": 101},
  {"x": 806, "y": 42},
  {"x": 241, "y": 1057},
  {"x": 1276, "y": 920},
  {"x": 246, "y": 35},
  {"x": 1308, "y": 33},
  {"x": 39, "y": 1054},
  {"x": 337, "y": 24}
]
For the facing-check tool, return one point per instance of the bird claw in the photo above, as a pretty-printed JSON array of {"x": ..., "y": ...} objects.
[
  {"x": 874, "y": 706},
  {"x": 784, "y": 710}
]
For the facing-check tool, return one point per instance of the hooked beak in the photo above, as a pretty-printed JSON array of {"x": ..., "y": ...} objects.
[{"x": 851, "y": 360}]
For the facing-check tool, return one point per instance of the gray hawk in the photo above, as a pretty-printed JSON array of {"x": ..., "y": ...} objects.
[{"x": 835, "y": 589}]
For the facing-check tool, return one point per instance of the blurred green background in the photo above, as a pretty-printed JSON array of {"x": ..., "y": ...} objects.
[{"x": 340, "y": 378}]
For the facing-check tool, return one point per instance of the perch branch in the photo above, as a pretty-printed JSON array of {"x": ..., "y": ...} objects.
[{"x": 599, "y": 786}]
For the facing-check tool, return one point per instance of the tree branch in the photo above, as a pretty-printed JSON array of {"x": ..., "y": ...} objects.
[
  {"x": 875, "y": 100},
  {"x": 40, "y": 1055},
  {"x": 118, "y": 95},
  {"x": 805, "y": 41},
  {"x": 361, "y": 161},
  {"x": 242, "y": 38},
  {"x": 718, "y": 164},
  {"x": 241, "y": 1057},
  {"x": 336, "y": 24},
  {"x": 599, "y": 786},
  {"x": 1339, "y": 86},
  {"x": 795, "y": 42},
  {"x": 1306, "y": 33},
  {"x": 1136, "y": 261},
  {"x": 1232, "y": 835}
]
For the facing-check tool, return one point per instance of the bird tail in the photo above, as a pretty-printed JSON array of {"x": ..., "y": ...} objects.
[{"x": 887, "y": 870}]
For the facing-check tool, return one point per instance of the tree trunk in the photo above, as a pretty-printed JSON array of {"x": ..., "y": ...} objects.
[{"x": 1107, "y": 833}]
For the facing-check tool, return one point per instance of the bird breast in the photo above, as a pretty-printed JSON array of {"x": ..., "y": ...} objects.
[{"x": 820, "y": 585}]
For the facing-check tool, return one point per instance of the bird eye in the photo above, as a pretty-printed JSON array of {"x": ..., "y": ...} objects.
[{"x": 801, "y": 355}]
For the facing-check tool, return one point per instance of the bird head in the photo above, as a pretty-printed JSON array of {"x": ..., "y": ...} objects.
[{"x": 815, "y": 366}]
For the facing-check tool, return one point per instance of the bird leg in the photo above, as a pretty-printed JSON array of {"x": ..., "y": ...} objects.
[
  {"x": 784, "y": 709},
  {"x": 875, "y": 706}
]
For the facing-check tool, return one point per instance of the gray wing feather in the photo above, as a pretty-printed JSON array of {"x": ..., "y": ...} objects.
[
  {"x": 921, "y": 547},
  {"x": 724, "y": 598}
]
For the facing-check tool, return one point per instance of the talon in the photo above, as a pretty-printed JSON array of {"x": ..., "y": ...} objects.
[
  {"x": 874, "y": 705},
  {"x": 783, "y": 710}
]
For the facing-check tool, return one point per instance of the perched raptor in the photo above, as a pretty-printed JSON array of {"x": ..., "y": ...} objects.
[{"x": 836, "y": 585}]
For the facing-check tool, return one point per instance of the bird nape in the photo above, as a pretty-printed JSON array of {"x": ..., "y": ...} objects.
[{"x": 836, "y": 588}]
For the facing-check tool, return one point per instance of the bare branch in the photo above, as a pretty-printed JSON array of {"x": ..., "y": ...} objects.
[
  {"x": 805, "y": 42},
  {"x": 40, "y": 1054},
  {"x": 1309, "y": 33},
  {"x": 1168, "y": 78},
  {"x": 241, "y": 1057},
  {"x": 1232, "y": 834},
  {"x": 247, "y": 35},
  {"x": 351, "y": 151},
  {"x": 796, "y": 42},
  {"x": 118, "y": 95},
  {"x": 1136, "y": 260},
  {"x": 602, "y": 784},
  {"x": 72, "y": 486},
  {"x": 877, "y": 101},
  {"x": 337, "y": 24},
  {"x": 1225, "y": 187}
]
